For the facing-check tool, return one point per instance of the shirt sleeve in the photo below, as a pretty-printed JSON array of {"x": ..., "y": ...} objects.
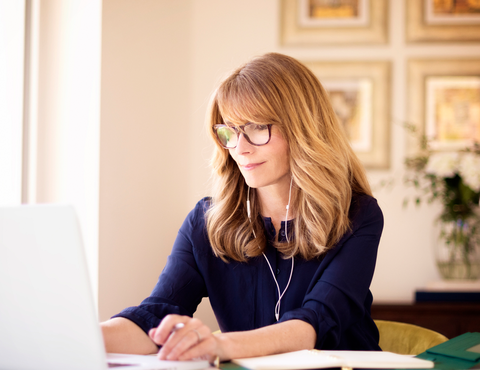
[
  {"x": 339, "y": 297},
  {"x": 180, "y": 287}
]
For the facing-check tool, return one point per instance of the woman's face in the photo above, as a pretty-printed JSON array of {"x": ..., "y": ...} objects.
[{"x": 264, "y": 166}]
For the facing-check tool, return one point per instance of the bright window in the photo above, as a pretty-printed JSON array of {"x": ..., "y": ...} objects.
[{"x": 12, "y": 41}]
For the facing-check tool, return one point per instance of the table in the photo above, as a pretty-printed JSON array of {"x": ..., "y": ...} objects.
[{"x": 448, "y": 318}]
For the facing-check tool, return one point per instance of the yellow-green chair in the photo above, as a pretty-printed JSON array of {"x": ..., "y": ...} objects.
[{"x": 406, "y": 339}]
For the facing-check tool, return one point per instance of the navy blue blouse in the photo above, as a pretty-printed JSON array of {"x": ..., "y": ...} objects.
[{"x": 331, "y": 292}]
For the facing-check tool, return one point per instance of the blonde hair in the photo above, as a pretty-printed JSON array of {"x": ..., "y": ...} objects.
[{"x": 277, "y": 89}]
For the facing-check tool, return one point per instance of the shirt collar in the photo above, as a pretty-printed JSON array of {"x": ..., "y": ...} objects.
[{"x": 270, "y": 229}]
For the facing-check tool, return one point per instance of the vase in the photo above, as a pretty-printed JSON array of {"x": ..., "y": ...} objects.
[{"x": 457, "y": 248}]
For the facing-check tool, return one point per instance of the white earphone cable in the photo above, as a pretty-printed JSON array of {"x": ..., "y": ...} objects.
[
  {"x": 280, "y": 295},
  {"x": 249, "y": 210},
  {"x": 288, "y": 206}
]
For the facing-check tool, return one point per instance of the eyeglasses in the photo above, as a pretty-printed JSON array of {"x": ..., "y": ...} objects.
[{"x": 255, "y": 134}]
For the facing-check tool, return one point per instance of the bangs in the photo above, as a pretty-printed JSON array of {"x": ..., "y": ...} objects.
[{"x": 241, "y": 100}]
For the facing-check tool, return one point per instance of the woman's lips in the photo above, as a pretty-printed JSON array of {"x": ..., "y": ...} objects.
[{"x": 251, "y": 166}]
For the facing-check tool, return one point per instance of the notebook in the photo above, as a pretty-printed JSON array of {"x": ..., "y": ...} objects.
[
  {"x": 316, "y": 359},
  {"x": 47, "y": 313}
]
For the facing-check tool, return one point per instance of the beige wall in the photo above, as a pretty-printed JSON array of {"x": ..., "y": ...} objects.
[
  {"x": 144, "y": 147},
  {"x": 160, "y": 60}
]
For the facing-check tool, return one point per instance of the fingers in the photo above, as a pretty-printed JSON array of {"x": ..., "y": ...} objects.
[
  {"x": 184, "y": 346},
  {"x": 204, "y": 350},
  {"x": 169, "y": 325},
  {"x": 183, "y": 338},
  {"x": 181, "y": 344}
]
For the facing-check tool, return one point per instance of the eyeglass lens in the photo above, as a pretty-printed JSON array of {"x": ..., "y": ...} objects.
[{"x": 255, "y": 134}]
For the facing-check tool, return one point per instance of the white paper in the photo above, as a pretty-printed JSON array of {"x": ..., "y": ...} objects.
[{"x": 314, "y": 359}]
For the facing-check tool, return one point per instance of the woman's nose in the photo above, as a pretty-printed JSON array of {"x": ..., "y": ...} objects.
[{"x": 243, "y": 146}]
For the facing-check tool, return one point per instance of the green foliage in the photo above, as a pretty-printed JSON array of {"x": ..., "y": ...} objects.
[{"x": 460, "y": 216}]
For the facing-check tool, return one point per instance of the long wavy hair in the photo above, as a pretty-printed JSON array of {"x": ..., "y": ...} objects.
[{"x": 278, "y": 89}]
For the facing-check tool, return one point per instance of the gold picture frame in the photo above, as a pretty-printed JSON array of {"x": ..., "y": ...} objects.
[
  {"x": 370, "y": 83},
  {"x": 424, "y": 24},
  {"x": 429, "y": 81},
  {"x": 370, "y": 27}
]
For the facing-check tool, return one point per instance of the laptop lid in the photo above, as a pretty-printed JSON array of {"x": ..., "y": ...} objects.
[{"x": 47, "y": 315}]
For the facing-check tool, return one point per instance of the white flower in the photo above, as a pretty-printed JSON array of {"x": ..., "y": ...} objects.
[
  {"x": 442, "y": 164},
  {"x": 469, "y": 170}
]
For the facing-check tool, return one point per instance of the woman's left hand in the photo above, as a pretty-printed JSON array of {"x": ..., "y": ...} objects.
[{"x": 185, "y": 338}]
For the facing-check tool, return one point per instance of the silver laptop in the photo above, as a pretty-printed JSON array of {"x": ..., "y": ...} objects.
[{"x": 47, "y": 315}]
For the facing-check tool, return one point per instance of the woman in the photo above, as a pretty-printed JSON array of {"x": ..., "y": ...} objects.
[{"x": 286, "y": 247}]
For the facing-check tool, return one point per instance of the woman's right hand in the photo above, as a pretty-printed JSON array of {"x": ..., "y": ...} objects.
[{"x": 185, "y": 338}]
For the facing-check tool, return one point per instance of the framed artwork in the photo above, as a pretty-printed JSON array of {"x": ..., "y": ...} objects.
[
  {"x": 444, "y": 102},
  {"x": 443, "y": 20},
  {"x": 452, "y": 115},
  {"x": 352, "y": 102},
  {"x": 341, "y": 13},
  {"x": 360, "y": 95},
  {"x": 316, "y": 22}
]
